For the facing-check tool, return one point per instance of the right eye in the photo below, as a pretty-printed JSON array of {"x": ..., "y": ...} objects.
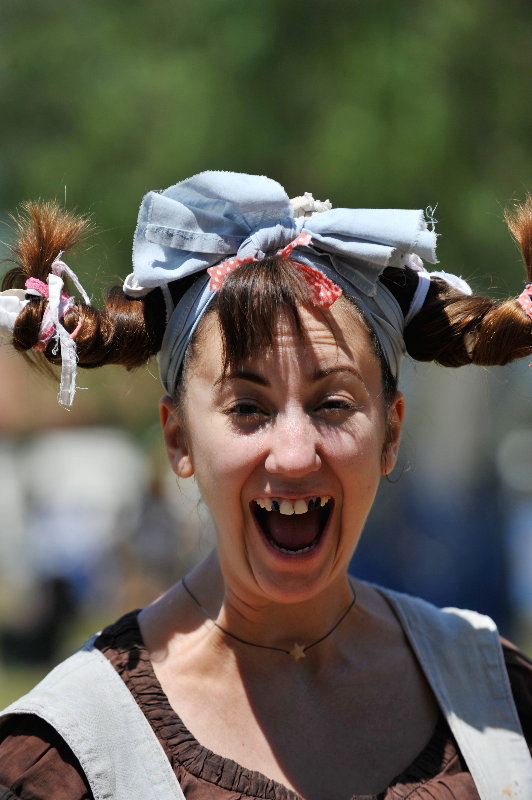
[{"x": 247, "y": 413}]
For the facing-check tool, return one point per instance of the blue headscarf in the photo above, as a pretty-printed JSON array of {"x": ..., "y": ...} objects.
[{"x": 216, "y": 215}]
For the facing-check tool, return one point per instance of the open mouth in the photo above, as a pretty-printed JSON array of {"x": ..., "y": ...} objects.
[{"x": 293, "y": 526}]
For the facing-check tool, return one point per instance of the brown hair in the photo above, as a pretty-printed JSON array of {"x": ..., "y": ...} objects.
[
  {"x": 127, "y": 332},
  {"x": 451, "y": 328}
]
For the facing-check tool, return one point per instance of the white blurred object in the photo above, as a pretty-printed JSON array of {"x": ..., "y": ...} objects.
[
  {"x": 13, "y": 549},
  {"x": 84, "y": 488},
  {"x": 514, "y": 460}
]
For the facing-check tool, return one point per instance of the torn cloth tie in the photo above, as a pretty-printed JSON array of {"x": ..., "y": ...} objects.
[{"x": 51, "y": 326}]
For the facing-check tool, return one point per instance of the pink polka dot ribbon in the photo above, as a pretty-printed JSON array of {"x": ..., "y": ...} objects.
[
  {"x": 323, "y": 291},
  {"x": 301, "y": 240},
  {"x": 525, "y": 300},
  {"x": 220, "y": 271}
]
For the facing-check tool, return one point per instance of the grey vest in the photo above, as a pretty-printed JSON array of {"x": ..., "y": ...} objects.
[{"x": 86, "y": 701}]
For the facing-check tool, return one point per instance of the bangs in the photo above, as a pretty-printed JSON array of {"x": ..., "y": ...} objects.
[{"x": 249, "y": 305}]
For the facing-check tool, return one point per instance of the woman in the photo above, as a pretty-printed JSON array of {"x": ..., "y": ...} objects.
[{"x": 268, "y": 672}]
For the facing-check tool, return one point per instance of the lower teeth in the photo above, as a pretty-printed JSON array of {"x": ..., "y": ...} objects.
[{"x": 292, "y": 552}]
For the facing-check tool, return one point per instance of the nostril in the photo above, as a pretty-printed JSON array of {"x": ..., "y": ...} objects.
[{"x": 293, "y": 458}]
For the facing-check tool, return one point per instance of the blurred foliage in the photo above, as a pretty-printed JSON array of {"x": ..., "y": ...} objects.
[{"x": 388, "y": 103}]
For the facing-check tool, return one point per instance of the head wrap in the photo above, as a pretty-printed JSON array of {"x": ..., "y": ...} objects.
[{"x": 214, "y": 216}]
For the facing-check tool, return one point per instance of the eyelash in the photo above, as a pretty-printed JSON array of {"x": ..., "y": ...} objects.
[
  {"x": 251, "y": 413},
  {"x": 338, "y": 403},
  {"x": 246, "y": 410}
]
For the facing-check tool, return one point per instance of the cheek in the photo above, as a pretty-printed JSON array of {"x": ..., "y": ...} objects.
[
  {"x": 223, "y": 460},
  {"x": 358, "y": 448}
]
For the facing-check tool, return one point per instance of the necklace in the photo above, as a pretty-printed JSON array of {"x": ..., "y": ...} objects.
[{"x": 297, "y": 652}]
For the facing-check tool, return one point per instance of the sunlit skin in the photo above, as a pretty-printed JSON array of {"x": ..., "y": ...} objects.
[{"x": 306, "y": 419}]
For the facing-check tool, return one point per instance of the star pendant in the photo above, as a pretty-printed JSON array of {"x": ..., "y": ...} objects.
[{"x": 297, "y": 652}]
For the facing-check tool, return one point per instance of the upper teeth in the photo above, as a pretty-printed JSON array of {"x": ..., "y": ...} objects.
[{"x": 287, "y": 507}]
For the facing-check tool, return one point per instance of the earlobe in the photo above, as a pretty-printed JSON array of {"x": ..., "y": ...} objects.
[
  {"x": 394, "y": 422},
  {"x": 175, "y": 439}
]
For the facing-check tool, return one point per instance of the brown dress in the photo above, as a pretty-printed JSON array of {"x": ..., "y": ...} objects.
[{"x": 36, "y": 764}]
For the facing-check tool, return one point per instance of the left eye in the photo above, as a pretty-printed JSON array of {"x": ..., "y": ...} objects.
[
  {"x": 246, "y": 409},
  {"x": 336, "y": 405}
]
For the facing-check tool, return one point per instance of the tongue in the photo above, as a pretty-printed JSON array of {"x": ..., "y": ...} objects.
[{"x": 292, "y": 532}]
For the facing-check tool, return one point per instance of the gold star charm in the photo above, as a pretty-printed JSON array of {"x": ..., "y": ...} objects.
[{"x": 297, "y": 652}]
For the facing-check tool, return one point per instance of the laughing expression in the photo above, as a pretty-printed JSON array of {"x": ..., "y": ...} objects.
[{"x": 287, "y": 451}]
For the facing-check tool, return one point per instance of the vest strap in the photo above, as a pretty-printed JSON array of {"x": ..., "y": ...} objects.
[
  {"x": 90, "y": 706},
  {"x": 461, "y": 656}
]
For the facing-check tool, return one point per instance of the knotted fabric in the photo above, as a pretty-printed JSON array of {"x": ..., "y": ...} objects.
[
  {"x": 13, "y": 301},
  {"x": 215, "y": 216}
]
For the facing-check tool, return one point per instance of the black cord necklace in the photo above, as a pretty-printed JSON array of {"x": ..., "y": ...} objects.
[{"x": 297, "y": 652}]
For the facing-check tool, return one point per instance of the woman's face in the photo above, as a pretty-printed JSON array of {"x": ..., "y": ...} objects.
[{"x": 287, "y": 451}]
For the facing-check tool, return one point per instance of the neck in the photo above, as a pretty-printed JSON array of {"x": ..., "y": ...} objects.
[{"x": 247, "y": 619}]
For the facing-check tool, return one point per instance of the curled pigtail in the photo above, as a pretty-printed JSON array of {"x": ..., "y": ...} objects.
[
  {"x": 69, "y": 330},
  {"x": 519, "y": 221},
  {"x": 43, "y": 233},
  {"x": 128, "y": 332},
  {"x": 43, "y": 230},
  {"x": 453, "y": 328}
]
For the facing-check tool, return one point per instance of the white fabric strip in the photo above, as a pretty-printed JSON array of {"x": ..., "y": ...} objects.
[
  {"x": 419, "y": 295},
  {"x": 56, "y": 305},
  {"x": 12, "y": 301}
]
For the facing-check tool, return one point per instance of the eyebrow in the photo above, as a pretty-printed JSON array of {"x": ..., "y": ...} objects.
[
  {"x": 317, "y": 375},
  {"x": 245, "y": 375}
]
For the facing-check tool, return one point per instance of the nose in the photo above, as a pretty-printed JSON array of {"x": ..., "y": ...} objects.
[{"x": 293, "y": 447}]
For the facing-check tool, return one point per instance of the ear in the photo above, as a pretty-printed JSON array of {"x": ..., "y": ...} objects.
[
  {"x": 394, "y": 422},
  {"x": 175, "y": 439}
]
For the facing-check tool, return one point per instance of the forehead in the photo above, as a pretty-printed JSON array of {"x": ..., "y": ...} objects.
[{"x": 338, "y": 335}]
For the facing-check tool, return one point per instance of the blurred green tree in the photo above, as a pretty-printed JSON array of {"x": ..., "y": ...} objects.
[{"x": 383, "y": 103}]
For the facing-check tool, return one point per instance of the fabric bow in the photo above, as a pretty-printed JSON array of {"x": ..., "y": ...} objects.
[{"x": 214, "y": 216}]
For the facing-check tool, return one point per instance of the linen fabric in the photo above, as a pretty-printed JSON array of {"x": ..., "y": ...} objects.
[{"x": 212, "y": 216}]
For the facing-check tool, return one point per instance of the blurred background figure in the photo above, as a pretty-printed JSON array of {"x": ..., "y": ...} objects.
[{"x": 514, "y": 462}]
